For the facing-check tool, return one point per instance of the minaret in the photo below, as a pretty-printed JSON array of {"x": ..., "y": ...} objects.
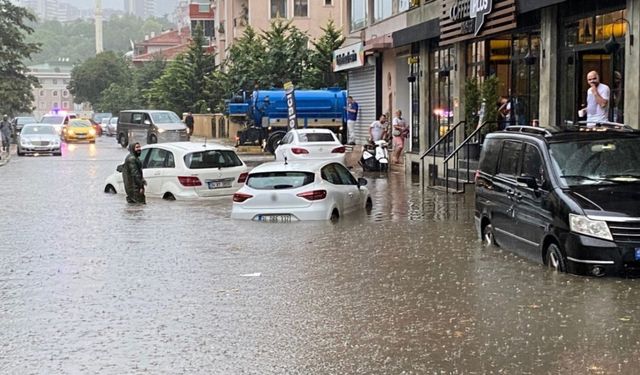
[{"x": 98, "y": 26}]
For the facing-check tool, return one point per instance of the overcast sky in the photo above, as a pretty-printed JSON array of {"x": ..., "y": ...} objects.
[{"x": 163, "y": 6}]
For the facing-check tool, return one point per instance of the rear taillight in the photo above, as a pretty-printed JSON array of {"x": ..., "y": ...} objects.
[
  {"x": 189, "y": 181},
  {"x": 241, "y": 197},
  {"x": 243, "y": 178},
  {"x": 315, "y": 195},
  {"x": 298, "y": 150},
  {"x": 339, "y": 150}
]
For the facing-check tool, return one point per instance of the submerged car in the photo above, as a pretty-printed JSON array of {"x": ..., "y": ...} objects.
[
  {"x": 310, "y": 144},
  {"x": 79, "y": 130},
  {"x": 282, "y": 192},
  {"x": 186, "y": 170},
  {"x": 568, "y": 198},
  {"x": 38, "y": 139}
]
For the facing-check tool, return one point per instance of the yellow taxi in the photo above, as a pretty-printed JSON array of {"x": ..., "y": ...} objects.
[{"x": 79, "y": 130}]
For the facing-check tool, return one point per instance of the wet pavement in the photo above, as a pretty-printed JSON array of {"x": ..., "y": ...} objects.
[{"x": 90, "y": 285}]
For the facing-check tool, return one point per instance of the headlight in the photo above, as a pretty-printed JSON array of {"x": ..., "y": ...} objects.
[
  {"x": 595, "y": 228},
  {"x": 92, "y": 131},
  {"x": 69, "y": 131},
  {"x": 24, "y": 142},
  {"x": 161, "y": 130}
]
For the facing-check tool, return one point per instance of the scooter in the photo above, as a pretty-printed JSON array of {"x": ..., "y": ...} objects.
[{"x": 375, "y": 156}]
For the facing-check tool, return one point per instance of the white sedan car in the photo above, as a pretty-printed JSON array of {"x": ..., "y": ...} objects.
[
  {"x": 300, "y": 190},
  {"x": 186, "y": 170},
  {"x": 310, "y": 144}
]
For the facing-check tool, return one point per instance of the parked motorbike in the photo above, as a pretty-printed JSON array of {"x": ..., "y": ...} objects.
[{"x": 375, "y": 156}]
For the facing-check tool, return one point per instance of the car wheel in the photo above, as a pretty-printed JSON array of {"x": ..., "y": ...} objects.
[
  {"x": 94, "y": 141},
  {"x": 110, "y": 189},
  {"x": 335, "y": 216},
  {"x": 487, "y": 235},
  {"x": 20, "y": 153},
  {"x": 168, "y": 197},
  {"x": 59, "y": 153},
  {"x": 122, "y": 139},
  {"x": 152, "y": 139},
  {"x": 554, "y": 258}
]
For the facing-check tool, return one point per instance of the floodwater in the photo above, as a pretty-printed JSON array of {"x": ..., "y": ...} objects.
[{"x": 90, "y": 285}]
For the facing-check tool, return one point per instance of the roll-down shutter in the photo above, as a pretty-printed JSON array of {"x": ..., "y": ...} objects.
[{"x": 362, "y": 86}]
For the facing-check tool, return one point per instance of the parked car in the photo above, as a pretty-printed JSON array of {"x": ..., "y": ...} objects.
[
  {"x": 569, "y": 199},
  {"x": 300, "y": 190},
  {"x": 150, "y": 126},
  {"x": 310, "y": 144},
  {"x": 99, "y": 116},
  {"x": 58, "y": 120},
  {"x": 112, "y": 127},
  {"x": 38, "y": 139},
  {"x": 79, "y": 130},
  {"x": 18, "y": 122},
  {"x": 96, "y": 126},
  {"x": 185, "y": 170}
]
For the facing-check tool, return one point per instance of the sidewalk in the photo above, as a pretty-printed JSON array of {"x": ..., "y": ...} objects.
[{"x": 5, "y": 157}]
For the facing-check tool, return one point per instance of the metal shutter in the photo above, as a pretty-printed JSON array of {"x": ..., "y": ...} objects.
[{"x": 362, "y": 86}]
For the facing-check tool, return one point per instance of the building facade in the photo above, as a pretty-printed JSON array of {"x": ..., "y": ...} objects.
[
  {"x": 53, "y": 94},
  {"x": 233, "y": 16},
  {"x": 418, "y": 55}
]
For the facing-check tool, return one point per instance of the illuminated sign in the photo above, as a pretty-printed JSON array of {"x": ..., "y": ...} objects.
[
  {"x": 471, "y": 14},
  {"x": 348, "y": 57}
]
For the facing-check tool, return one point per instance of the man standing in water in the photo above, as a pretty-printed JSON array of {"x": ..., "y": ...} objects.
[{"x": 132, "y": 175}]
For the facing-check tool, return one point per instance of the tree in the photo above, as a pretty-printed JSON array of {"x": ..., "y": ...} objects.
[
  {"x": 15, "y": 85},
  {"x": 118, "y": 97},
  {"x": 320, "y": 70},
  {"x": 96, "y": 74},
  {"x": 286, "y": 54},
  {"x": 184, "y": 84},
  {"x": 244, "y": 65}
]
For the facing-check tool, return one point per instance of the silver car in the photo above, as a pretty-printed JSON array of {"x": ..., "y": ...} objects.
[
  {"x": 111, "y": 128},
  {"x": 39, "y": 139}
]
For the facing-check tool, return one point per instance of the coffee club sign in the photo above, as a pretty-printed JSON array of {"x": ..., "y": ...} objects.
[{"x": 470, "y": 14}]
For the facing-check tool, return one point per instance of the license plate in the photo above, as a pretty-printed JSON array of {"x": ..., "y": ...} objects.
[
  {"x": 217, "y": 184},
  {"x": 81, "y": 136},
  {"x": 637, "y": 253},
  {"x": 274, "y": 218}
]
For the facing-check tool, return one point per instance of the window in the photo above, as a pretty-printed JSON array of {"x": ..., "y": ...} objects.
[
  {"x": 55, "y": 93},
  {"x": 358, "y": 14},
  {"x": 212, "y": 159},
  {"x": 41, "y": 92},
  {"x": 316, "y": 137},
  {"x": 143, "y": 157},
  {"x": 54, "y": 81},
  {"x": 65, "y": 93},
  {"x": 532, "y": 164},
  {"x": 490, "y": 156},
  {"x": 65, "y": 105},
  {"x": 403, "y": 5},
  {"x": 330, "y": 175},
  {"x": 381, "y": 10},
  {"x": 328, "y": 3},
  {"x": 300, "y": 8},
  {"x": 346, "y": 176},
  {"x": 160, "y": 158},
  {"x": 55, "y": 105},
  {"x": 136, "y": 118},
  {"x": 509, "y": 158},
  {"x": 279, "y": 180},
  {"x": 278, "y": 9}
]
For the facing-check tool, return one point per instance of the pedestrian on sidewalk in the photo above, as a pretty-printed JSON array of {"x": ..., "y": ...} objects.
[
  {"x": 188, "y": 120},
  {"x": 399, "y": 132},
  {"x": 352, "y": 116},
  {"x": 134, "y": 182},
  {"x": 378, "y": 129},
  {"x": 5, "y": 130}
]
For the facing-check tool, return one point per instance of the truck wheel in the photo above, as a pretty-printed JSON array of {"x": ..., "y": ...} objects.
[
  {"x": 152, "y": 139},
  {"x": 273, "y": 141}
]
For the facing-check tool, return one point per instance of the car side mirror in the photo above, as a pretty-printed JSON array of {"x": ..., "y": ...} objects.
[
  {"x": 362, "y": 182},
  {"x": 119, "y": 168},
  {"x": 528, "y": 181},
  {"x": 147, "y": 122}
]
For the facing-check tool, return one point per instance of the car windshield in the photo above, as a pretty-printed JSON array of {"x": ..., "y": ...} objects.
[
  {"x": 165, "y": 118},
  {"x": 52, "y": 119},
  {"x": 114, "y": 120},
  {"x": 279, "y": 180},
  {"x": 212, "y": 159},
  {"x": 315, "y": 137},
  {"x": 39, "y": 130},
  {"x": 26, "y": 120},
  {"x": 612, "y": 160},
  {"x": 80, "y": 123}
]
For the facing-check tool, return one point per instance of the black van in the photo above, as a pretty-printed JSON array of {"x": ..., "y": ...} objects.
[
  {"x": 568, "y": 198},
  {"x": 150, "y": 126}
]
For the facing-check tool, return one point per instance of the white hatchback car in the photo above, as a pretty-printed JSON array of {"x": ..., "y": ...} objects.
[
  {"x": 186, "y": 170},
  {"x": 310, "y": 144},
  {"x": 300, "y": 190}
]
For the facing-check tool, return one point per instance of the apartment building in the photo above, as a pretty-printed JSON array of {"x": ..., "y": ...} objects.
[{"x": 53, "y": 95}]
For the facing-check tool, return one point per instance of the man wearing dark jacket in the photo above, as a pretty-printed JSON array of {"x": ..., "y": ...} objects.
[{"x": 132, "y": 175}]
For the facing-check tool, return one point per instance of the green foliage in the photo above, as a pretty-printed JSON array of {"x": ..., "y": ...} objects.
[
  {"x": 476, "y": 94},
  {"x": 244, "y": 64},
  {"x": 286, "y": 53},
  {"x": 96, "y": 74},
  {"x": 118, "y": 97},
  {"x": 15, "y": 86},
  {"x": 186, "y": 83},
  {"x": 320, "y": 72}
]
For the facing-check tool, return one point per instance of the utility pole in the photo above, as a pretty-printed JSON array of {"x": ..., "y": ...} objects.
[{"x": 98, "y": 17}]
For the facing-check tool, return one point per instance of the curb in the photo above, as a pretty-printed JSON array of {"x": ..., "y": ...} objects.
[{"x": 5, "y": 157}]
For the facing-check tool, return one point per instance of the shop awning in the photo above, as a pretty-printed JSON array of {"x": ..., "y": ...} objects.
[
  {"x": 525, "y": 6},
  {"x": 425, "y": 30}
]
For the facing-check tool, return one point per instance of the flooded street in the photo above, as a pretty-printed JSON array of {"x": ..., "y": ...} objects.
[{"x": 91, "y": 285}]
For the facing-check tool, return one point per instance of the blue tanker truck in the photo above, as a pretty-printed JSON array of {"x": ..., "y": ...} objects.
[{"x": 264, "y": 114}]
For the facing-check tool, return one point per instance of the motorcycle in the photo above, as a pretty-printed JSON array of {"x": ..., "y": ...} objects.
[{"x": 375, "y": 156}]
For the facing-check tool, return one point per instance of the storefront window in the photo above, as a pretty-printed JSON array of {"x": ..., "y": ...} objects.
[
  {"x": 414, "y": 87},
  {"x": 441, "y": 106}
]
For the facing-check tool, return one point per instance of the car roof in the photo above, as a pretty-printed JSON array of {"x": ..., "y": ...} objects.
[
  {"x": 147, "y": 110},
  {"x": 567, "y": 134},
  {"x": 294, "y": 165},
  {"x": 311, "y": 130},
  {"x": 38, "y": 124},
  {"x": 191, "y": 146}
]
